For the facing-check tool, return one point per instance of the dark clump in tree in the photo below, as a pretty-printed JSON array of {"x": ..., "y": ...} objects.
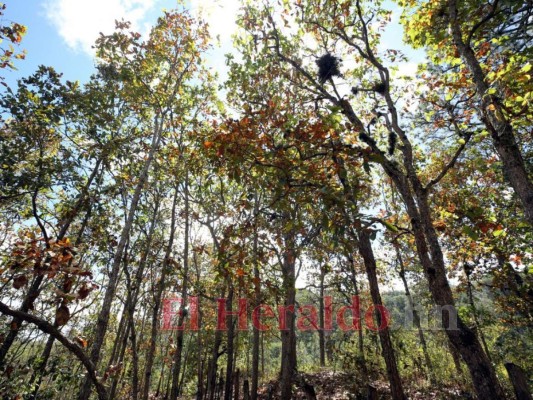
[
  {"x": 392, "y": 143},
  {"x": 328, "y": 67},
  {"x": 380, "y": 88}
]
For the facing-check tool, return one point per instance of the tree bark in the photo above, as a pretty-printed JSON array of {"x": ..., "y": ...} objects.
[
  {"x": 288, "y": 335},
  {"x": 321, "y": 332},
  {"x": 365, "y": 249},
  {"x": 519, "y": 381},
  {"x": 257, "y": 301},
  {"x": 213, "y": 365},
  {"x": 174, "y": 391},
  {"x": 230, "y": 344}
]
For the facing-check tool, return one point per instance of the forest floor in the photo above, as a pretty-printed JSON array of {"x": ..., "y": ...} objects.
[{"x": 331, "y": 385}]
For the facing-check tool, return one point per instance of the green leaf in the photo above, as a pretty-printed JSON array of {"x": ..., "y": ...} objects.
[
  {"x": 470, "y": 232},
  {"x": 390, "y": 227},
  {"x": 498, "y": 233}
]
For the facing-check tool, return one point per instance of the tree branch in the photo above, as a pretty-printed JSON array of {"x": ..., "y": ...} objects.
[{"x": 72, "y": 347}]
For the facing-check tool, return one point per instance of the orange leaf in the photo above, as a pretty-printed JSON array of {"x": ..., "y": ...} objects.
[{"x": 81, "y": 341}]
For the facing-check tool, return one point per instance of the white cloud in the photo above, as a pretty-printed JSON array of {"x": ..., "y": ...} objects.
[
  {"x": 80, "y": 22},
  {"x": 220, "y": 15}
]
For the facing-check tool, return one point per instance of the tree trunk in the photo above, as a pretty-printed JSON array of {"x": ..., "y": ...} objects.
[
  {"x": 157, "y": 300},
  {"x": 174, "y": 391},
  {"x": 236, "y": 381},
  {"x": 365, "y": 248},
  {"x": 213, "y": 365},
  {"x": 246, "y": 390},
  {"x": 461, "y": 336},
  {"x": 34, "y": 289},
  {"x": 288, "y": 335},
  {"x": 257, "y": 301},
  {"x": 519, "y": 381},
  {"x": 321, "y": 332},
  {"x": 230, "y": 339},
  {"x": 103, "y": 317},
  {"x": 416, "y": 317},
  {"x": 133, "y": 292},
  {"x": 360, "y": 339}
]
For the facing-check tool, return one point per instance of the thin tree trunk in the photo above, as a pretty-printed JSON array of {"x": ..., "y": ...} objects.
[
  {"x": 236, "y": 381},
  {"x": 257, "y": 301},
  {"x": 157, "y": 300},
  {"x": 34, "y": 289},
  {"x": 133, "y": 291},
  {"x": 199, "y": 360},
  {"x": 321, "y": 332},
  {"x": 230, "y": 341},
  {"x": 174, "y": 391},
  {"x": 360, "y": 339},
  {"x": 288, "y": 335},
  {"x": 213, "y": 365},
  {"x": 103, "y": 317},
  {"x": 416, "y": 317},
  {"x": 479, "y": 330},
  {"x": 185, "y": 360},
  {"x": 365, "y": 248}
]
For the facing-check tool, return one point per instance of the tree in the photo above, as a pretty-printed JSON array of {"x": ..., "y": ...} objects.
[
  {"x": 489, "y": 60},
  {"x": 347, "y": 29}
]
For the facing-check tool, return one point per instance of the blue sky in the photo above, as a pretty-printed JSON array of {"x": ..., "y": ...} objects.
[{"x": 61, "y": 32}]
